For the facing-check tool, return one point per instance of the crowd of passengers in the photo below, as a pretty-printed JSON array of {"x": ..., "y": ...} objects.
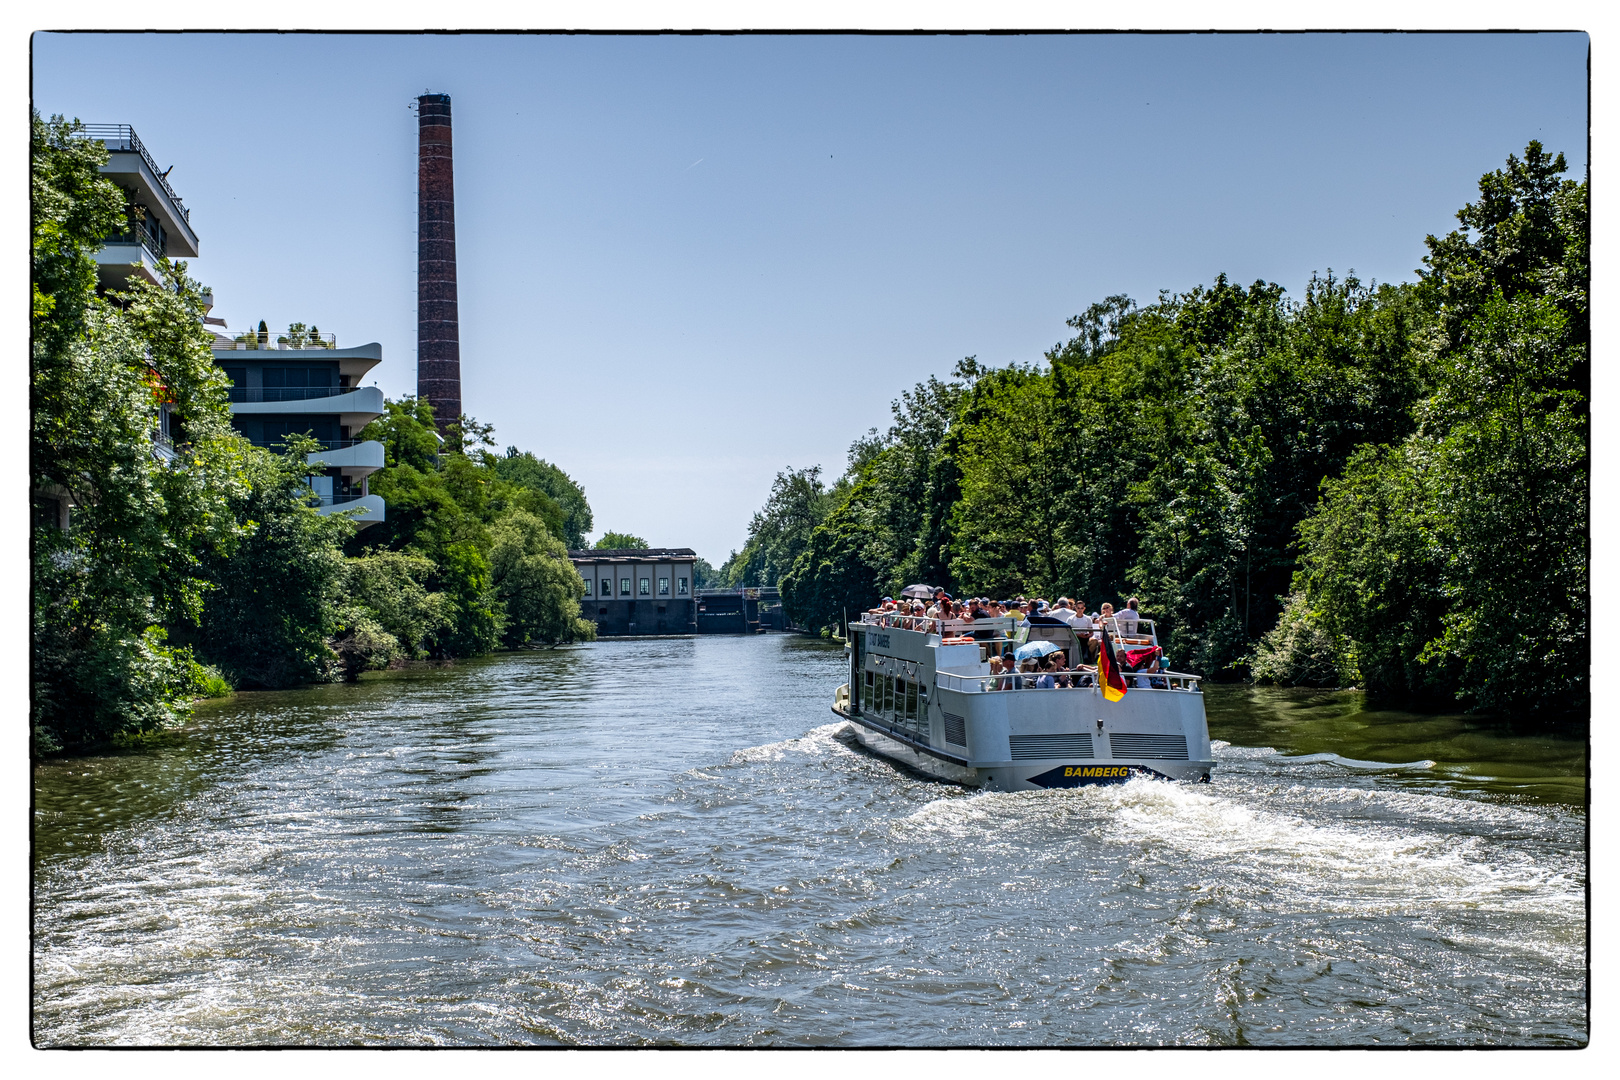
[{"x": 1046, "y": 673}]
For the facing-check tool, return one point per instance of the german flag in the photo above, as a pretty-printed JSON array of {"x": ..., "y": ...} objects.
[{"x": 1108, "y": 676}]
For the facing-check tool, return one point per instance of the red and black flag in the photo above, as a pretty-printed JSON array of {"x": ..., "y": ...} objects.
[{"x": 1108, "y": 676}]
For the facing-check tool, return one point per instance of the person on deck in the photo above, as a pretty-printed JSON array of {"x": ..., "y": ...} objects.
[
  {"x": 1127, "y": 617},
  {"x": 1083, "y": 627},
  {"x": 1045, "y": 680},
  {"x": 1060, "y": 670}
]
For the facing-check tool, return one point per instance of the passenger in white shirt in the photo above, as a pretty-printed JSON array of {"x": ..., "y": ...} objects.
[
  {"x": 1126, "y": 617},
  {"x": 1083, "y": 626}
]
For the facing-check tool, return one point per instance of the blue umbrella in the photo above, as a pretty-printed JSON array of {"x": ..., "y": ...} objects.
[{"x": 1036, "y": 649}]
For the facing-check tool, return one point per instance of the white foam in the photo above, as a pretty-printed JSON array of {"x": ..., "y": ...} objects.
[{"x": 816, "y": 741}]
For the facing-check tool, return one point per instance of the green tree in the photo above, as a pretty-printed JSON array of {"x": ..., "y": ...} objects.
[
  {"x": 537, "y": 474},
  {"x": 142, "y": 507},
  {"x": 536, "y": 584},
  {"x": 781, "y": 530},
  {"x": 391, "y": 587},
  {"x": 1470, "y": 535},
  {"x": 705, "y": 576},
  {"x": 475, "y": 614},
  {"x": 610, "y": 540},
  {"x": 276, "y": 592}
]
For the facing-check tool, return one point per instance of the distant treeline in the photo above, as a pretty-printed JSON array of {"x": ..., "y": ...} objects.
[
  {"x": 1383, "y": 486},
  {"x": 195, "y": 561}
]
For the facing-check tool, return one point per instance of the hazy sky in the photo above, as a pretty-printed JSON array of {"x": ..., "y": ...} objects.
[{"x": 689, "y": 262}]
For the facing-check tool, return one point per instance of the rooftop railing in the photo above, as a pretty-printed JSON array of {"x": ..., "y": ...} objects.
[
  {"x": 1134, "y": 632},
  {"x": 122, "y": 137},
  {"x": 281, "y": 342}
]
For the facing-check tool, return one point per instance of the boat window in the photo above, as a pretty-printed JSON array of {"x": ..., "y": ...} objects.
[
  {"x": 911, "y": 701},
  {"x": 922, "y": 703},
  {"x": 888, "y": 694}
]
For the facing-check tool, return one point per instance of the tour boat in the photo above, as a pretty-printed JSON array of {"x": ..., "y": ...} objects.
[{"x": 921, "y": 693}]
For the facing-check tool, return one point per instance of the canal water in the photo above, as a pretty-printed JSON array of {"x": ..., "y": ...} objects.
[{"x": 670, "y": 842}]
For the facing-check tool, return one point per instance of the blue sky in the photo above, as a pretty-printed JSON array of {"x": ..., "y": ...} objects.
[{"x": 689, "y": 262}]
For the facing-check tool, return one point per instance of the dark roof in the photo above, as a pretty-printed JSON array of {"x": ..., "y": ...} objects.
[{"x": 631, "y": 553}]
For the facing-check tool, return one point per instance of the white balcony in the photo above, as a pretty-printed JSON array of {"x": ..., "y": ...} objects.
[
  {"x": 117, "y": 262},
  {"x": 355, "y": 407},
  {"x": 353, "y": 362},
  {"x": 360, "y": 459},
  {"x": 132, "y": 166},
  {"x": 366, "y": 510}
]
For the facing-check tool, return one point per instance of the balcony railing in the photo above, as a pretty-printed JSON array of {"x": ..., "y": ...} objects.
[
  {"x": 324, "y": 444},
  {"x": 341, "y": 498},
  {"x": 241, "y": 394},
  {"x": 122, "y": 137},
  {"x": 282, "y": 341},
  {"x": 144, "y": 239}
]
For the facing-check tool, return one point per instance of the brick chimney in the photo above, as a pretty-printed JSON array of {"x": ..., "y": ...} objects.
[{"x": 438, "y": 334}]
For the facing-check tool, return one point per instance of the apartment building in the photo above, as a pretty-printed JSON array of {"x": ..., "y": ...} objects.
[
  {"x": 300, "y": 382},
  {"x": 293, "y": 382},
  {"x": 158, "y": 223}
]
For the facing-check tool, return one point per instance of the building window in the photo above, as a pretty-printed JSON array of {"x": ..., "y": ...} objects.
[
  {"x": 680, "y": 586},
  {"x": 624, "y": 586},
  {"x": 607, "y": 586},
  {"x": 663, "y": 586},
  {"x": 646, "y": 586}
]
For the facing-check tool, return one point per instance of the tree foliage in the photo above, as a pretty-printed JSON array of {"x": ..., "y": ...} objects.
[
  {"x": 1376, "y": 483},
  {"x": 1456, "y": 558},
  {"x": 143, "y": 511},
  {"x": 611, "y": 540},
  {"x": 539, "y": 475},
  {"x": 182, "y": 540}
]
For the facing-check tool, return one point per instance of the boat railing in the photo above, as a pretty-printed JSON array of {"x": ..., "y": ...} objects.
[
  {"x": 1020, "y": 682},
  {"x": 999, "y": 629}
]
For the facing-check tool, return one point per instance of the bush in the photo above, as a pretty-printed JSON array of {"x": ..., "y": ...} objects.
[
  {"x": 391, "y": 588},
  {"x": 363, "y": 645},
  {"x": 1299, "y": 651}
]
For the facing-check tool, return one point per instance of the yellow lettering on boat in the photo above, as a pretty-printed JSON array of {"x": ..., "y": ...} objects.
[{"x": 1096, "y": 771}]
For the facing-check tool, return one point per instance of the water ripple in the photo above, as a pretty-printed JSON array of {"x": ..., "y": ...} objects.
[{"x": 538, "y": 850}]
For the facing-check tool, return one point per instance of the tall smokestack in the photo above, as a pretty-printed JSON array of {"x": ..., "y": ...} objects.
[{"x": 438, "y": 332}]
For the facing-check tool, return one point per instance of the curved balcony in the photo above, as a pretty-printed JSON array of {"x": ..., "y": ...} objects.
[
  {"x": 355, "y": 406},
  {"x": 363, "y": 509},
  {"x": 356, "y": 459}
]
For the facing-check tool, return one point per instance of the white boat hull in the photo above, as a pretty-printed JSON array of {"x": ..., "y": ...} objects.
[{"x": 1037, "y": 775}]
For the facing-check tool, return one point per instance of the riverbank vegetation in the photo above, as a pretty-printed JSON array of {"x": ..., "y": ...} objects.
[
  {"x": 1378, "y": 484},
  {"x": 172, "y": 559}
]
